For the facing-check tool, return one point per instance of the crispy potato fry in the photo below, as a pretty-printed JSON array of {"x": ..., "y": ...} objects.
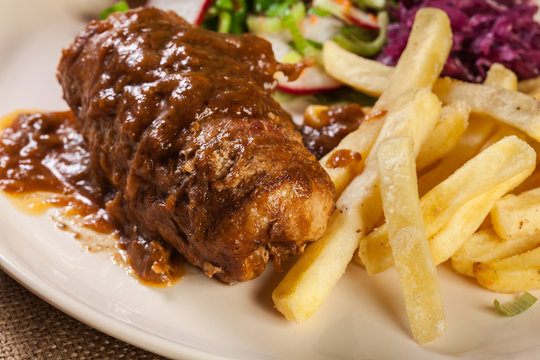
[
  {"x": 469, "y": 217},
  {"x": 309, "y": 281},
  {"x": 482, "y": 133},
  {"x": 502, "y": 131},
  {"x": 509, "y": 107},
  {"x": 448, "y": 130},
  {"x": 485, "y": 246},
  {"x": 499, "y": 75},
  {"x": 478, "y": 131},
  {"x": 517, "y": 215},
  {"x": 419, "y": 66},
  {"x": 506, "y": 106},
  {"x": 512, "y": 274},
  {"x": 407, "y": 236},
  {"x": 498, "y": 163},
  {"x": 368, "y": 76},
  {"x": 530, "y": 86},
  {"x": 359, "y": 145}
]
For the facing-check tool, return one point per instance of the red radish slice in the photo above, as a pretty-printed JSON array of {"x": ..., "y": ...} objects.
[
  {"x": 191, "y": 10},
  {"x": 312, "y": 80},
  {"x": 362, "y": 19}
]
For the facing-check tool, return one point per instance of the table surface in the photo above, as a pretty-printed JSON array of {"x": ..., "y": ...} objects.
[{"x": 30, "y": 328}]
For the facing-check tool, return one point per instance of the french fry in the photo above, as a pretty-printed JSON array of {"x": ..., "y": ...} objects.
[
  {"x": 530, "y": 86},
  {"x": 512, "y": 274},
  {"x": 407, "y": 236},
  {"x": 448, "y": 130},
  {"x": 485, "y": 246},
  {"x": 498, "y": 163},
  {"x": 482, "y": 133},
  {"x": 354, "y": 146},
  {"x": 419, "y": 66},
  {"x": 309, "y": 281},
  {"x": 499, "y": 75},
  {"x": 368, "y": 76},
  {"x": 517, "y": 215},
  {"x": 478, "y": 131},
  {"x": 509, "y": 107},
  {"x": 500, "y": 132},
  {"x": 469, "y": 217}
]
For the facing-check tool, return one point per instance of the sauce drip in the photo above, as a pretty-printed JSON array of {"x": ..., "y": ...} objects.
[
  {"x": 336, "y": 122},
  {"x": 44, "y": 162},
  {"x": 342, "y": 158}
]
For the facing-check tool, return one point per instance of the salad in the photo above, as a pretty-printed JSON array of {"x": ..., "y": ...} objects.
[{"x": 485, "y": 32}]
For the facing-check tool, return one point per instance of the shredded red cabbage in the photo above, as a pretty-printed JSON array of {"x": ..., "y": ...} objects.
[{"x": 485, "y": 32}]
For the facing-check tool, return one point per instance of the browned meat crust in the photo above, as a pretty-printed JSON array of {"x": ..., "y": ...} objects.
[{"x": 181, "y": 122}]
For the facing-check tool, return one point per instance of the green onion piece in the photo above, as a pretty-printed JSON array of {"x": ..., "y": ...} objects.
[
  {"x": 318, "y": 12},
  {"x": 224, "y": 4},
  {"x": 224, "y": 23},
  {"x": 261, "y": 6},
  {"x": 239, "y": 15},
  {"x": 373, "y": 4},
  {"x": 517, "y": 306},
  {"x": 361, "y": 47},
  {"x": 298, "y": 11},
  {"x": 280, "y": 9},
  {"x": 298, "y": 41},
  {"x": 118, "y": 7},
  {"x": 263, "y": 24},
  {"x": 315, "y": 44}
]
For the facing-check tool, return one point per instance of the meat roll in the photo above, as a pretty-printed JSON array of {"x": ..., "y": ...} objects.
[{"x": 181, "y": 123}]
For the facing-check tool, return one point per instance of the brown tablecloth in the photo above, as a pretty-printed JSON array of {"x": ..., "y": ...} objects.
[{"x": 30, "y": 328}]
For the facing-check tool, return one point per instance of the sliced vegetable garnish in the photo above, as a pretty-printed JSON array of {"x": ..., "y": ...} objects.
[
  {"x": 353, "y": 38},
  {"x": 263, "y": 24},
  {"x": 519, "y": 305},
  {"x": 374, "y": 4},
  {"x": 227, "y": 16},
  {"x": 118, "y": 7}
]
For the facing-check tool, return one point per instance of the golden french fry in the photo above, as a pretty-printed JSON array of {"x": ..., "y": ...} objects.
[
  {"x": 509, "y": 107},
  {"x": 407, "y": 236},
  {"x": 482, "y": 133},
  {"x": 419, "y": 66},
  {"x": 499, "y": 75},
  {"x": 512, "y": 274},
  {"x": 347, "y": 159},
  {"x": 365, "y": 75},
  {"x": 448, "y": 130},
  {"x": 500, "y": 132},
  {"x": 517, "y": 215},
  {"x": 309, "y": 281},
  {"x": 530, "y": 86},
  {"x": 485, "y": 246},
  {"x": 469, "y": 217},
  {"x": 498, "y": 163},
  {"x": 468, "y": 146}
]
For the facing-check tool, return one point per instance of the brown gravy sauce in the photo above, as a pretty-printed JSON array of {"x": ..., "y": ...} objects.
[
  {"x": 44, "y": 163},
  {"x": 335, "y": 123}
]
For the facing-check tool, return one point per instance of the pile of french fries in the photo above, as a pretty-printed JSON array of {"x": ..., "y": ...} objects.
[{"x": 447, "y": 173}]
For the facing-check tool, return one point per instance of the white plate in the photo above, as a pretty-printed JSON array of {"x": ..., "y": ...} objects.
[{"x": 198, "y": 318}]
